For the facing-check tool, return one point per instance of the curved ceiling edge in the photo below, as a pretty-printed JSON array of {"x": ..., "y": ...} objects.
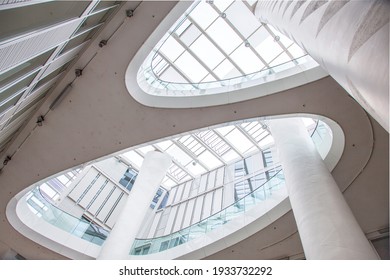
[
  {"x": 25, "y": 222},
  {"x": 294, "y": 77}
]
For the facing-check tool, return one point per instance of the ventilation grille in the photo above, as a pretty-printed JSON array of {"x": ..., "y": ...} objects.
[{"x": 15, "y": 52}]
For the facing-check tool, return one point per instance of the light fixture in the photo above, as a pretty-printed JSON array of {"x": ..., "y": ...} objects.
[
  {"x": 102, "y": 43},
  {"x": 6, "y": 160},
  {"x": 223, "y": 15},
  {"x": 78, "y": 72},
  {"x": 130, "y": 13},
  {"x": 40, "y": 120}
]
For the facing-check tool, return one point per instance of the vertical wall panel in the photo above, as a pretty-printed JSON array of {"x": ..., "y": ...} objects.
[
  {"x": 207, "y": 204},
  {"x": 172, "y": 194},
  {"x": 78, "y": 190},
  {"x": 171, "y": 219},
  {"x": 203, "y": 183},
  {"x": 92, "y": 191},
  {"x": 187, "y": 189},
  {"x": 163, "y": 222},
  {"x": 179, "y": 217},
  {"x": 102, "y": 197},
  {"x": 179, "y": 193},
  {"x": 198, "y": 209},
  {"x": 219, "y": 177},
  {"x": 116, "y": 211},
  {"x": 154, "y": 225},
  {"x": 211, "y": 180},
  {"x": 106, "y": 209},
  {"x": 188, "y": 214},
  {"x": 195, "y": 187},
  {"x": 217, "y": 201}
]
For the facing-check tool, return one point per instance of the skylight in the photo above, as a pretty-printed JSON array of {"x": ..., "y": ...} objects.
[
  {"x": 205, "y": 150},
  {"x": 218, "y": 40}
]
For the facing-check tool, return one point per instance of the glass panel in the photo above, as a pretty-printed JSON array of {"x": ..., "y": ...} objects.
[
  {"x": 207, "y": 52},
  {"x": 209, "y": 78},
  {"x": 296, "y": 51},
  {"x": 190, "y": 35},
  {"x": 226, "y": 70},
  {"x": 204, "y": 15},
  {"x": 239, "y": 141},
  {"x": 283, "y": 58},
  {"x": 170, "y": 74},
  {"x": 247, "y": 60},
  {"x": 78, "y": 227},
  {"x": 171, "y": 49},
  {"x": 223, "y": 4},
  {"x": 258, "y": 37},
  {"x": 235, "y": 14},
  {"x": 224, "y": 36},
  {"x": 269, "y": 49},
  {"x": 191, "y": 67},
  {"x": 209, "y": 160},
  {"x": 182, "y": 27}
]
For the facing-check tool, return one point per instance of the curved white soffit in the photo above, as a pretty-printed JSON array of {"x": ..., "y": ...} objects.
[
  {"x": 47, "y": 235},
  {"x": 293, "y": 77}
]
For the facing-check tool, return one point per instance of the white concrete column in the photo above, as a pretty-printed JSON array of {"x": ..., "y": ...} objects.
[
  {"x": 121, "y": 238},
  {"x": 349, "y": 39},
  {"x": 326, "y": 225}
]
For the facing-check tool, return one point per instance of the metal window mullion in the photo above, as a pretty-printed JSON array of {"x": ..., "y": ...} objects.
[
  {"x": 178, "y": 164},
  {"x": 184, "y": 76},
  {"x": 242, "y": 37},
  {"x": 104, "y": 202},
  {"x": 170, "y": 176},
  {"x": 229, "y": 143},
  {"x": 209, "y": 149},
  {"x": 189, "y": 152},
  {"x": 255, "y": 51},
  {"x": 249, "y": 137},
  {"x": 251, "y": 8},
  {"x": 227, "y": 56},
  {"x": 279, "y": 43},
  {"x": 209, "y": 70},
  {"x": 96, "y": 195}
]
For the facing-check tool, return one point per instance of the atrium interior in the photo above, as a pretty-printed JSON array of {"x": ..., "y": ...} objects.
[{"x": 194, "y": 130}]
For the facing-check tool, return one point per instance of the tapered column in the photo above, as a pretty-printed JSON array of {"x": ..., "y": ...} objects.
[
  {"x": 349, "y": 39},
  {"x": 326, "y": 225},
  {"x": 121, "y": 238}
]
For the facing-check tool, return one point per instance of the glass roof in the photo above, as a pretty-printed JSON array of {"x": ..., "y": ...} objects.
[
  {"x": 215, "y": 41},
  {"x": 202, "y": 151},
  {"x": 205, "y": 150}
]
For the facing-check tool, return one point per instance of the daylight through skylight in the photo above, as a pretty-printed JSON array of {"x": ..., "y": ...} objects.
[{"x": 219, "y": 40}]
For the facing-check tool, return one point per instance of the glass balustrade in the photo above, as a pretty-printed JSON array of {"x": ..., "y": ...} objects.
[
  {"x": 62, "y": 220},
  {"x": 264, "y": 74},
  {"x": 215, "y": 221}
]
